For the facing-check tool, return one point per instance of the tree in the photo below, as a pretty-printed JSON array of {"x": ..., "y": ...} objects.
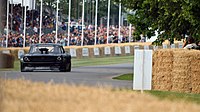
[{"x": 171, "y": 18}]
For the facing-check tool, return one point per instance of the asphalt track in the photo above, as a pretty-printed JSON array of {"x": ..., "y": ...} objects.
[{"x": 88, "y": 75}]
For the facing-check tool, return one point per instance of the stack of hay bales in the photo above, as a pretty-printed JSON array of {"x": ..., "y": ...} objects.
[
  {"x": 195, "y": 72},
  {"x": 14, "y": 51},
  {"x": 6, "y": 60},
  {"x": 181, "y": 74},
  {"x": 176, "y": 70},
  {"x": 162, "y": 69}
]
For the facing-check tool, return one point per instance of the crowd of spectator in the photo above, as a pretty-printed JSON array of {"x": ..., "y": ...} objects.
[
  {"x": 15, "y": 37},
  {"x": 16, "y": 18}
]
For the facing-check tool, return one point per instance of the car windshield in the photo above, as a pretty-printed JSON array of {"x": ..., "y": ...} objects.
[{"x": 46, "y": 49}]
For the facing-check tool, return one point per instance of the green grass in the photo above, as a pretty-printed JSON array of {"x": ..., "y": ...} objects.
[
  {"x": 173, "y": 96},
  {"x": 87, "y": 62},
  {"x": 128, "y": 76},
  {"x": 101, "y": 61}
]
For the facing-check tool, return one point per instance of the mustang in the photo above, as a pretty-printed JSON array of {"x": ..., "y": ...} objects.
[{"x": 45, "y": 56}]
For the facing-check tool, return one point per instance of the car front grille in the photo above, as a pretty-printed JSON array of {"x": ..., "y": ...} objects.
[{"x": 43, "y": 58}]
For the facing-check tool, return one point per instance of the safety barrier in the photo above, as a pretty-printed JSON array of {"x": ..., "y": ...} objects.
[
  {"x": 6, "y": 60},
  {"x": 104, "y": 50}
]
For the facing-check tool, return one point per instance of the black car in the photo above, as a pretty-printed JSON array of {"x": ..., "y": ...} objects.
[{"x": 46, "y": 56}]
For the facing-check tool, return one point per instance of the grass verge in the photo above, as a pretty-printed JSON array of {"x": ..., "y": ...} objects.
[
  {"x": 128, "y": 76},
  {"x": 87, "y": 62},
  {"x": 195, "y": 98},
  {"x": 26, "y": 96},
  {"x": 187, "y": 97},
  {"x": 101, "y": 61}
]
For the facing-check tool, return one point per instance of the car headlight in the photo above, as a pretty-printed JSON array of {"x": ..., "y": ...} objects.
[
  {"x": 59, "y": 58},
  {"x": 26, "y": 59}
]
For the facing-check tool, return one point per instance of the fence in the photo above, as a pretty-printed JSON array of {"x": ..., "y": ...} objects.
[{"x": 99, "y": 54}]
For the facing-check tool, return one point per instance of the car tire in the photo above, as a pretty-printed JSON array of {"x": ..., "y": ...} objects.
[
  {"x": 66, "y": 68},
  {"x": 22, "y": 67},
  {"x": 69, "y": 68}
]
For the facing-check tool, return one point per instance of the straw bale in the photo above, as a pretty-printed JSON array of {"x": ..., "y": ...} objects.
[
  {"x": 195, "y": 63},
  {"x": 123, "y": 51},
  {"x": 164, "y": 53},
  {"x": 79, "y": 52},
  {"x": 131, "y": 50},
  {"x": 14, "y": 51},
  {"x": 195, "y": 77},
  {"x": 91, "y": 52},
  {"x": 181, "y": 66},
  {"x": 176, "y": 70},
  {"x": 162, "y": 67},
  {"x": 180, "y": 75},
  {"x": 101, "y": 51},
  {"x": 112, "y": 51},
  {"x": 165, "y": 60},
  {"x": 195, "y": 72},
  {"x": 6, "y": 60}
]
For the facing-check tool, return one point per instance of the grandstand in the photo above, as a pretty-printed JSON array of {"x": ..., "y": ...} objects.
[{"x": 16, "y": 29}]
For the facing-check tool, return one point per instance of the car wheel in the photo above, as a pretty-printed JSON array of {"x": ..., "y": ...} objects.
[
  {"x": 22, "y": 67},
  {"x": 69, "y": 68},
  {"x": 66, "y": 68}
]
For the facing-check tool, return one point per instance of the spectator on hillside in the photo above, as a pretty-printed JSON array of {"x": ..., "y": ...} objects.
[{"x": 190, "y": 43}]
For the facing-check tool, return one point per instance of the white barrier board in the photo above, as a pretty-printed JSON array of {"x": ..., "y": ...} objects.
[
  {"x": 180, "y": 45},
  {"x": 127, "y": 50},
  {"x": 106, "y": 50},
  {"x": 20, "y": 53},
  {"x": 146, "y": 47},
  {"x": 117, "y": 50},
  {"x": 142, "y": 70},
  {"x": 96, "y": 51},
  {"x": 173, "y": 46},
  {"x": 6, "y": 51},
  {"x": 164, "y": 46},
  {"x": 73, "y": 52},
  {"x": 85, "y": 52},
  {"x": 136, "y": 47}
]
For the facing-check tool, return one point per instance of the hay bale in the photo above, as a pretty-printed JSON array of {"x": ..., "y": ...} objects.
[
  {"x": 91, "y": 52},
  {"x": 123, "y": 51},
  {"x": 79, "y": 53},
  {"x": 181, "y": 78},
  {"x": 6, "y": 60},
  {"x": 162, "y": 69},
  {"x": 101, "y": 51},
  {"x": 132, "y": 50},
  {"x": 195, "y": 72},
  {"x": 112, "y": 51},
  {"x": 176, "y": 70},
  {"x": 14, "y": 51}
]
